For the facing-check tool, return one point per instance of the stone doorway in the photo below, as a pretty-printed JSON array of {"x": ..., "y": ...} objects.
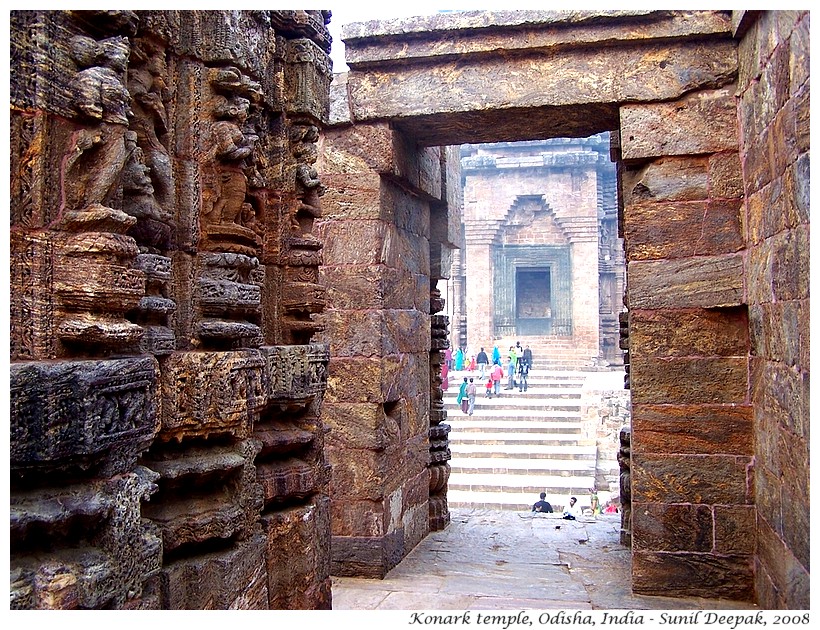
[
  {"x": 533, "y": 310},
  {"x": 665, "y": 85}
]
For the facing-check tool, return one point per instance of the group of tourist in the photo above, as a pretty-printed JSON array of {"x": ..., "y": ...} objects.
[{"x": 515, "y": 367}]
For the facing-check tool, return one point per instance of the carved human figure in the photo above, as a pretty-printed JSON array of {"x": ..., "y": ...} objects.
[
  {"x": 146, "y": 82},
  {"x": 310, "y": 187},
  {"x": 232, "y": 149},
  {"x": 96, "y": 155},
  {"x": 153, "y": 223}
]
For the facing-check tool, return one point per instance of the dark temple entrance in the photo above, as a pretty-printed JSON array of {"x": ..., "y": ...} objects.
[{"x": 533, "y": 313}]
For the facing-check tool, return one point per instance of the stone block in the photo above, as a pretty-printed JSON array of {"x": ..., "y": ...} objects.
[
  {"x": 206, "y": 393},
  {"x": 298, "y": 556},
  {"x": 702, "y": 122},
  {"x": 353, "y": 242},
  {"x": 357, "y": 517},
  {"x": 789, "y": 577},
  {"x": 361, "y": 148},
  {"x": 205, "y": 493},
  {"x": 350, "y": 196},
  {"x": 695, "y": 380},
  {"x": 368, "y": 286},
  {"x": 230, "y": 579},
  {"x": 693, "y": 575},
  {"x": 693, "y": 429},
  {"x": 689, "y": 332},
  {"x": 295, "y": 374},
  {"x": 790, "y": 264},
  {"x": 376, "y": 333},
  {"x": 703, "y": 281},
  {"x": 725, "y": 176},
  {"x": 70, "y": 415},
  {"x": 357, "y": 473},
  {"x": 667, "y": 179},
  {"x": 682, "y": 229},
  {"x": 706, "y": 479},
  {"x": 735, "y": 529},
  {"x": 359, "y": 556},
  {"x": 359, "y": 426},
  {"x": 672, "y": 527},
  {"x": 362, "y": 379}
]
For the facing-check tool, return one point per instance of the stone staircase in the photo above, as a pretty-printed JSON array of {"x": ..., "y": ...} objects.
[{"x": 520, "y": 444}]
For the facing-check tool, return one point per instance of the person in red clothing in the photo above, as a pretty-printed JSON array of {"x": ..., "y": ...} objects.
[{"x": 496, "y": 375}]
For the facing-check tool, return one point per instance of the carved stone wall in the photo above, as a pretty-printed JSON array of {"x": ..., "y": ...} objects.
[{"x": 166, "y": 445}]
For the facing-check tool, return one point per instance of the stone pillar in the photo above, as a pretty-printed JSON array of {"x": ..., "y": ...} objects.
[
  {"x": 382, "y": 191},
  {"x": 692, "y": 469}
]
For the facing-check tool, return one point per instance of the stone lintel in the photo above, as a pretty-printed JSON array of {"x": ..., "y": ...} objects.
[
  {"x": 536, "y": 95},
  {"x": 477, "y": 32}
]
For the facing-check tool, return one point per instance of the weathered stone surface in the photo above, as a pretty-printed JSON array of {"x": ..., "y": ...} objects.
[
  {"x": 708, "y": 479},
  {"x": 689, "y": 332},
  {"x": 732, "y": 525},
  {"x": 367, "y": 557},
  {"x": 218, "y": 391},
  {"x": 361, "y": 148},
  {"x": 475, "y": 32},
  {"x": 234, "y": 579},
  {"x": 704, "y": 281},
  {"x": 664, "y": 527},
  {"x": 299, "y": 581},
  {"x": 788, "y": 579},
  {"x": 700, "y": 123},
  {"x": 360, "y": 425},
  {"x": 377, "y": 333},
  {"x": 83, "y": 545},
  {"x": 693, "y": 575},
  {"x": 688, "y": 380},
  {"x": 667, "y": 179},
  {"x": 692, "y": 429},
  {"x": 94, "y": 414},
  {"x": 725, "y": 176},
  {"x": 681, "y": 229},
  {"x": 357, "y": 517}
]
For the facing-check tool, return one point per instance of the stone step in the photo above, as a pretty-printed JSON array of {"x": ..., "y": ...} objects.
[
  {"x": 528, "y": 484},
  {"x": 532, "y": 392},
  {"x": 501, "y": 439},
  {"x": 506, "y": 405},
  {"x": 512, "y": 500},
  {"x": 503, "y": 466},
  {"x": 525, "y": 451},
  {"x": 470, "y": 424}
]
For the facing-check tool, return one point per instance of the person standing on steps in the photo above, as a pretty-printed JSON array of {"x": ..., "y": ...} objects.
[
  {"x": 471, "y": 390},
  {"x": 527, "y": 356},
  {"x": 461, "y": 399},
  {"x": 496, "y": 375},
  {"x": 523, "y": 371},
  {"x": 459, "y": 360},
  {"x": 482, "y": 361},
  {"x": 496, "y": 355}
]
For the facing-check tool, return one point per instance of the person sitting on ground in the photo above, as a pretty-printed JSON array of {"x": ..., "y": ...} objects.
[
  {"x": 542, "y": 505},
  {"x": 572, "y": 512}
]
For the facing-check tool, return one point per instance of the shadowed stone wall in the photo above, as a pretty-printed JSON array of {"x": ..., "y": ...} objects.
[
  {"x": 773, "y": 92},
  {"x": 166, "y": 449}
]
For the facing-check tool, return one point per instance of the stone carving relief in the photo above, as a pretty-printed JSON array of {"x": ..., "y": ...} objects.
[
  {"x": 439, "y": 467},
  {"x": 138, "y": 364}
]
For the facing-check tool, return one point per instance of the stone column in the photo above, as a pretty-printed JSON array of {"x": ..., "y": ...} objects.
[{"x": 691, "y": 449}]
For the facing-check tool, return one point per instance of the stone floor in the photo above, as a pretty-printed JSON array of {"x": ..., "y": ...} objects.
[{"x": 508, "y": 560}]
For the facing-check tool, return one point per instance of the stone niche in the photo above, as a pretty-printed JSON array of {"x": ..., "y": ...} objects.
[{"x": 166, "y": 447}]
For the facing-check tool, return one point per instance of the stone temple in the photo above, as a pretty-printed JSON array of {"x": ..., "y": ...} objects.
[{"x": 226, "y": 262}]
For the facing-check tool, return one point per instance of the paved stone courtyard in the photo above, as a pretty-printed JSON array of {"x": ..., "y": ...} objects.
[{"x": 502, "y": 560}]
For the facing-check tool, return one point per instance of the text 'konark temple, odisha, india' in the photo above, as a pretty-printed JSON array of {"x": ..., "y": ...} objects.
[{"x": 236, "y": 279}]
